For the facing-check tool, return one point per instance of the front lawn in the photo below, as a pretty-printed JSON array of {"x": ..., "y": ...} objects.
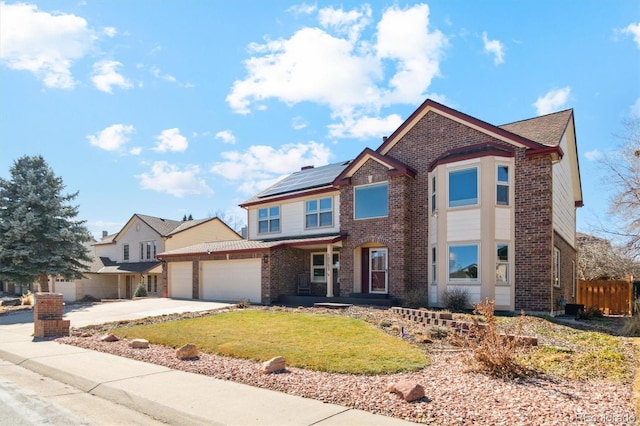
[{"x": 331, "y": 343}]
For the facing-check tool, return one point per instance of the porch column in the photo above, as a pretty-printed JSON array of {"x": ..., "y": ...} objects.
[{"x": 329, "y": 270}]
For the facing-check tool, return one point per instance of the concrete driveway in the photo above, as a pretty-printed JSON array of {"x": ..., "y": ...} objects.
[{"x": 82, "y": 314}]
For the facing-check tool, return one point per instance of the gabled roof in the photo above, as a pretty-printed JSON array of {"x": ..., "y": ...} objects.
[
  {"x": 546, "y": 129},
  {"x": 162, "y": 226},
  {"x": 467, "y": 120},
  {"x": 394, "y": 166},
  {"x": 309, "y": 178}
]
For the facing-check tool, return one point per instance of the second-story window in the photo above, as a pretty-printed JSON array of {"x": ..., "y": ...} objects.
[
  {"x": 502, "y": 186},
  {"x": 371, "y": 201},
  {"x": 463, "y": 187},
  {"x": 269, "y": 219},
  {"x": 319, "y": 213},
  {"x": 434, "y": 207},
  {"x": 125, "y": 252}
]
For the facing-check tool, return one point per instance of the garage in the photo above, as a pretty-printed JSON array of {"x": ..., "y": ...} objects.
[
  {"x": 180, "y": 280},
  {"x": 232, "y": 280}
]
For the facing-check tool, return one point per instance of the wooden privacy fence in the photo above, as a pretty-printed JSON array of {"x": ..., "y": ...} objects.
[{"x": 613, "y": 297}]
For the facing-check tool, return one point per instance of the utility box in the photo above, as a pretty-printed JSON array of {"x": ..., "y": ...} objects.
[{"x": 47, "y": 316}]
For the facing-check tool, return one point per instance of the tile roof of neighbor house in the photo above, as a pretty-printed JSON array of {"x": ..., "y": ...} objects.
[
  {"x": 128, "y": 268},
  {"x": 546, "y": 129},
  {"x": 247, "y": 245}
]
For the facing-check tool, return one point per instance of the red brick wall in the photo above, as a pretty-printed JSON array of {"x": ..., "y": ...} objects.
[
  {"x": 280, "y": 274},
  {"x": 534, "y": 235},
  {"x": 47, "y": 316}
]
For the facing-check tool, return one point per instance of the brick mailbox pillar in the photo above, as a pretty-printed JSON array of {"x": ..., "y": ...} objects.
[{"x": 47, "y": 316}]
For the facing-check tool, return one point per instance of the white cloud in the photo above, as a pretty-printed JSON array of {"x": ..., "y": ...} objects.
[
  {"x": 552, "y": 101},
  {"x": 635, "y": 109},
  {"x": 226, "y": 136},
  {"x": 170, "y": 78},
  {"x": 365, "y": 127},
  {"x": 302, "y": 9},
  {"x": 634, "y": 31},
  {"x": 303, "y": 67},
  {"x": 260, "y": 165},
  {"x": 171, "y": 140},
  {"x": 298, "y": 123},
  {"x": 494, "y": 47},
  {"x": 112, "y": 138},
  {"x": 45, "y": 44},
  {"x": 135, "y": 151},
  {"x": 165, "y": 177},
  {"x": 110, "y": 31},
  {"x": 404, "y": 36},
  {"x": 594, "y": 155},
  {"x": 105, "y": 76}
]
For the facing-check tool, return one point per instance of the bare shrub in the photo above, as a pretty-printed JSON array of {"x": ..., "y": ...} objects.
[
  {"x": 456, "y": 299},
  {"x": 632, "y": 324},
  {"x": 492, "y": 351},
  {"x": 416, "y": 298}
]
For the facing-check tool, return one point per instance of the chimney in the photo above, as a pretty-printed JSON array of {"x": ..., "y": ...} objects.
[
  {"x": 104, "y": 234},
  {"x": 384, "y": 139},
  {"x": 306, "y": 167}
]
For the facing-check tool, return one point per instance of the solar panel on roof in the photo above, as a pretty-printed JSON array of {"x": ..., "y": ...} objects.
[{"x": 306, "y": 179}]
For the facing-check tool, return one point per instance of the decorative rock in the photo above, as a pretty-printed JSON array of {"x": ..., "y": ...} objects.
[
  {"x": 408, "y": 390},
  {"x": 139, "y": 344},
  {"x": 188, "y": 351},
  {"x": 109, "y": 338},
  {"x": 273, "y": 365}
]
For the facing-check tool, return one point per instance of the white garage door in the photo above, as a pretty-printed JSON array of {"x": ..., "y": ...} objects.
[
  {"x": 180, "y": 277},
  {"x": 232, "y": 280}
]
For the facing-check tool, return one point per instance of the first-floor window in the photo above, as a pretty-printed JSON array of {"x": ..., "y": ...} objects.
[
  {"x": 125, "y": 252},
  {"x": 155, "y": 283},
  {"x": 149, "y": 283},
  {"x": 463, "y": 262},
  {"x": 434, "y": 270},
  {"x": 318, "y": 266},
  {"x": 556, "y": 267},
  {"x": 502, "y": 263}
]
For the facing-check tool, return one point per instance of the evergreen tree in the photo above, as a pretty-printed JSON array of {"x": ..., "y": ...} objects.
[
  {"x": 40, "y": 236},
  {"x": 190, "y": 217}
]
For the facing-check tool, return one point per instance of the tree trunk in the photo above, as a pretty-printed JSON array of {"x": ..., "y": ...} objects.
[{"x": 44, "y": 283}]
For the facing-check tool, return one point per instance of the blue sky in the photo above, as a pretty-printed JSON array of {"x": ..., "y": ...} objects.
[{"x": 170, "y": 108}]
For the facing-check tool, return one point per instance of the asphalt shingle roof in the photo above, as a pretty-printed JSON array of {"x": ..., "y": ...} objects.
[{"x": 546, "y": 130}]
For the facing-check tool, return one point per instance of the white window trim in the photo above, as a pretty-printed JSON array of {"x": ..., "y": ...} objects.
[
  {"x": 324, "y": 265},
  {"x": 502, "y": 183},
  {"x": 478, "y": 185},
  {"x": 386, "y": 182},
  {"x": 269, "y": 219},
  {"x": 434, "y": 264},
  {"x": 126, "y": 258},
  {"x": 501, "y": 262},
  {"x": 318, "y": 213},
  {"x": 465, "y": 280}
]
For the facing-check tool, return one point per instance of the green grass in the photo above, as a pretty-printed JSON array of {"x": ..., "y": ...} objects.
[{"x": 330, "y": 343}]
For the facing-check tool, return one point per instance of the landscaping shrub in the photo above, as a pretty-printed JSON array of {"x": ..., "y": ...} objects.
[
  {"x": 416, "y": 298},
  {"x": 492, "y": 351},
  {"x": 589, "y": 313},
  {"x": 243, "y": 304},
  {"x": 632, "y": 324},
  {"x": 456, "y": 299},
  {"x": 141, "y": 291}
]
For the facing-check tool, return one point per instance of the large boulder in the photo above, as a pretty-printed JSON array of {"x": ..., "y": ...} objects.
[
  {"x": 139, "y": 344},
  {"x": 188, "y": 351},
  {"x": 109, "y": 338},
  {"x": 408, "y": 390},
  {"x": 273, "y": 365}
]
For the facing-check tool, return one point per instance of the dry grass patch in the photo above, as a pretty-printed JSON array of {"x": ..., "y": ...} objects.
[{"x": 330, "y": 343}]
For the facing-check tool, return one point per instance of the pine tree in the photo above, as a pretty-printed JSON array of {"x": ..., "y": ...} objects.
[{"x": 40, "y": 236}]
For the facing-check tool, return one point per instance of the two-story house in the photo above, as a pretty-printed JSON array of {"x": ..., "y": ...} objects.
[
  {"x": 124, "y": 260},
  {"x": 445, "y": 202}
]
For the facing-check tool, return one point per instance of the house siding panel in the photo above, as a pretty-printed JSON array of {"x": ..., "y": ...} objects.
[
  {"x": 212, "y": 230},
  {"x": 503, "y": 224},
  {"x": 463, "y": 225},
  {"x": 564, "y": 210}
]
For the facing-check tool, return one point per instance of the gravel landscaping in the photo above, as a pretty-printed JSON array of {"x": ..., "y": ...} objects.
[{"x": 454, "y": 394}]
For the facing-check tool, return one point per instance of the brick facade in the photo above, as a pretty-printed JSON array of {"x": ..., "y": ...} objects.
[{"x": 47, "y": 316}]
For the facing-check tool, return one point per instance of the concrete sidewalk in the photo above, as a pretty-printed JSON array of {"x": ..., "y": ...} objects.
[{"x": 175, "y": 397}]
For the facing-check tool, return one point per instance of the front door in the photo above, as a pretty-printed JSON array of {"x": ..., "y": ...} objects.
[
  {"x": 127, "y": 281},
  {"x": 378, "y": 270}
]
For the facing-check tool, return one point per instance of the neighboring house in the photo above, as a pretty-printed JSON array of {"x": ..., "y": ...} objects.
[
  {"x": 446, "y": 202},
  {"x": 128, "y": 258}
]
